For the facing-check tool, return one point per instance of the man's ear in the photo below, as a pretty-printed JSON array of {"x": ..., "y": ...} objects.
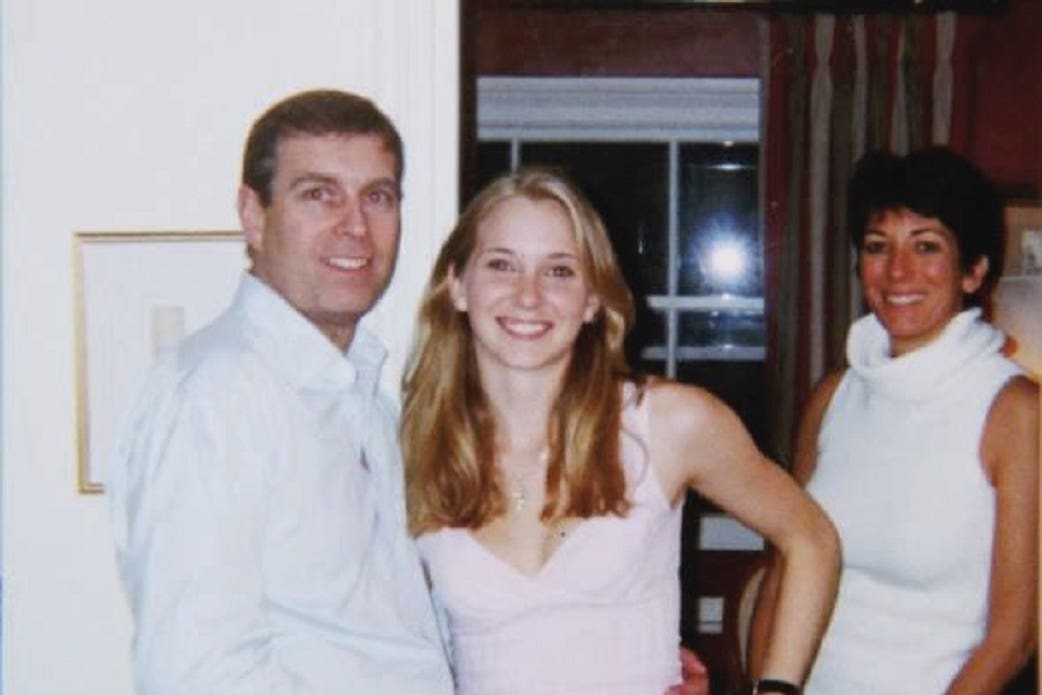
[
  {"x": 459, "y": 297},
  {"x": 974, "y": 277},
  {"x": 252, "y": 215}
]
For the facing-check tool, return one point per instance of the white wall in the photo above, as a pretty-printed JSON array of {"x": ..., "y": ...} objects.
[{"x": 130, "y": 115}]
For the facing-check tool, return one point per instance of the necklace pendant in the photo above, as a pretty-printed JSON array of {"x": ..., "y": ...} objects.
[
  {"x": 518, "y": 492},
  {"x": 519, "y": 498}
]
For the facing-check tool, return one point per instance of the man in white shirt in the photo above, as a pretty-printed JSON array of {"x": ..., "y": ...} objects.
[{"x": 256, "y": 490}]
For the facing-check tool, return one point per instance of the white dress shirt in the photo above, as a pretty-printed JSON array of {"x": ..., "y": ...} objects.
[{"x": 259, "y": 518}]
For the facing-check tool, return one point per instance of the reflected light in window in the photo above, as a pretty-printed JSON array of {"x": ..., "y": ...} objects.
[{"x": 728, "y": 261}]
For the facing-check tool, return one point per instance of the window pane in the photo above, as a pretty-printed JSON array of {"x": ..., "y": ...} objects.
[
  {"x": 721, "y": 328},
  {"x": 493, "y": 159},
  {"x": 651, "y": 367},
  {"x": 647, "y": 342},
  {"x": 739, "y": 384},
  {"x": 719, "y": 239},
  {"x": 627, "y": 184}
]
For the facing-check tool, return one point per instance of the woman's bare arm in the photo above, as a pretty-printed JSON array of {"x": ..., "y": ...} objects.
[
  {"x": 698, "y": 442},
  {"x": 806, "y": 447},
  {"x": 1010, "y": 451}
]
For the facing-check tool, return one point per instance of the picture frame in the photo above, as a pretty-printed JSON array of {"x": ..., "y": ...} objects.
[
  {"x": 1018, "y": 294},
  {"x": 136, "y": 295},
  {"x": 1023, "y": 239}
]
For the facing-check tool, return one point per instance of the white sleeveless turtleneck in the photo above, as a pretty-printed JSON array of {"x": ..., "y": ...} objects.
[{"x": 899, "y": 471}]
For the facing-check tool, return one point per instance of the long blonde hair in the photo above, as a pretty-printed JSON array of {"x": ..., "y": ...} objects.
[{"x": 448, "y": 433}]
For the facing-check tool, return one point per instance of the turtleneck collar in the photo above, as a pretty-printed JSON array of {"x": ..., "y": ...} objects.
[{"x": 925, "y": 371}]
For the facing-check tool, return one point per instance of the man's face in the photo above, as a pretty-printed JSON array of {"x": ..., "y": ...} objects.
[{"x": 328, "y": 239}]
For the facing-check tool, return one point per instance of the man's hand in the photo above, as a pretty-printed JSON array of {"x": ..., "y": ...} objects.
[{"x": 695, "y": 673}]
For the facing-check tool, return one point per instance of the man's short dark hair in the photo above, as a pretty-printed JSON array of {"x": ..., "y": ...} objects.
[{"x": 315, "y": 112}]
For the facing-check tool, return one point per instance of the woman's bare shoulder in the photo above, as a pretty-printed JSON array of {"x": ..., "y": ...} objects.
[
  {"x": 1020, "y": 391},
  {"x": 680, "y": 407},
  {"x": 1016, "y": 407},
  {"x": 1010, "y": 440},
  {"x": 822, "y": 392},
  {"x": 685, "y": 419}
]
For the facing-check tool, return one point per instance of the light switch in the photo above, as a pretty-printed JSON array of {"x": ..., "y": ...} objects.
[
  {"x": 168, "y": 327},
  {"x": 710, "y": 615}
]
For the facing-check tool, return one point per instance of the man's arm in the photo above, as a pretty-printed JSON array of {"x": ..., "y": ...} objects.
[{"x": 192, "y": 502}]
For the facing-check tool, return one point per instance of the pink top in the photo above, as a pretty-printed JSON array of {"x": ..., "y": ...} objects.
[{"x": 601, "y": 616}]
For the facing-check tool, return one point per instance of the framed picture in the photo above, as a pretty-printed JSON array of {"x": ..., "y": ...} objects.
[
  {"x": 138, "y": 294},
  {"x": 1018, "y": 295},
  {"x": 1023, "y": 240}
]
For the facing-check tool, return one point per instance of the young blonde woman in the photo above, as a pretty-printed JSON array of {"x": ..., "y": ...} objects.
[{"x": 545, "y": 482}]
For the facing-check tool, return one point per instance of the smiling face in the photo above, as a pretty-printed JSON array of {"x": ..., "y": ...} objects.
[
  {"x": 327, "y": 241},
  {"x": 524, "y": 287},
  {"x": 912, "y": 276}
]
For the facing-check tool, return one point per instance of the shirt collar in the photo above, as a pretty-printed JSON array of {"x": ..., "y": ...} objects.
[{"x": 298, "y": 350}]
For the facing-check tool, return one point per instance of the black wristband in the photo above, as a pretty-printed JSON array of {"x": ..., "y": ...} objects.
[{"x": 772, "y": 685}]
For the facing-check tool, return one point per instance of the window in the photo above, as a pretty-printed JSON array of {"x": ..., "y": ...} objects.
[{"x": 672, "y": 166}]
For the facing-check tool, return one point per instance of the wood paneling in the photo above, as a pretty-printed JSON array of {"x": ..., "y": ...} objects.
[
  {"x": 1005, "y": 123},
  {"x": 661, "y": 43}
]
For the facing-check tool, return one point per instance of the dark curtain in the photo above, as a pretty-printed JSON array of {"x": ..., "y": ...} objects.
[{"x": 836, "y": 86}]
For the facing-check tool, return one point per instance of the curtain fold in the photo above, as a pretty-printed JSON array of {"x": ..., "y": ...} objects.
[{"x": 835, "y": 86}]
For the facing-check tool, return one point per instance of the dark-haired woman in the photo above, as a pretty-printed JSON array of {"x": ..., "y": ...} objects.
[{"x": 925, "y": 451}]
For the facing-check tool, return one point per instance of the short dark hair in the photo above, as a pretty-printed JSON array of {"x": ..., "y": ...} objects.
[
  {"x": 314, "y": 112},
  {"x": 933, "y": 182}
]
